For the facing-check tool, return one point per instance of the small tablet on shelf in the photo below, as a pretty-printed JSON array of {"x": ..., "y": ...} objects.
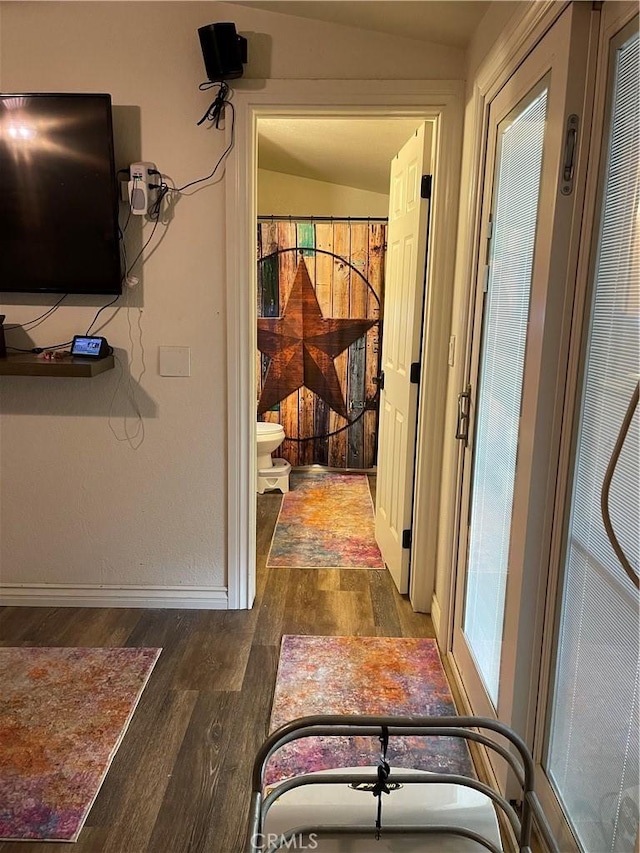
[{"x": 86, "y": 346}]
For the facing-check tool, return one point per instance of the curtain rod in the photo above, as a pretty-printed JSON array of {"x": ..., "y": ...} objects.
[{"x": 323, "y": 218}]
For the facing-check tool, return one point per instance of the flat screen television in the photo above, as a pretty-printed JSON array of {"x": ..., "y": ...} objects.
[{"x": 58, "y": 195}]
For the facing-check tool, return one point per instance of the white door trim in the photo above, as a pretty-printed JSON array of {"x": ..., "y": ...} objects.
[{"x": 440, "y": 101}]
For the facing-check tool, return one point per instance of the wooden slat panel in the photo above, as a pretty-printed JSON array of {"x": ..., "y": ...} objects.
[
  {"x": 324, "y": 266},
  {"x": 324, "y": 291},
  {"x": 377, "y": 245},
  {"x": 306, "y": 399},
  {"x": 268, "y": 286},
  {"x": 305, "y": 232},
  {"x": 268, "y": 296},
  {"x": 288, "y": 263},
  {"x": 357, "y": 351},
  {"x": 289, "y": 450},
  {"x": 340, "y": 308}
]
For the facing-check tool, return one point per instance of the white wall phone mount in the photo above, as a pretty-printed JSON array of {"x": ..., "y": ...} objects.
[{"x": 141, "y": 196}]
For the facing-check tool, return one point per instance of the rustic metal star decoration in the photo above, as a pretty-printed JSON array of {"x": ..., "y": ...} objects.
[{"x": 302, "y": 345}]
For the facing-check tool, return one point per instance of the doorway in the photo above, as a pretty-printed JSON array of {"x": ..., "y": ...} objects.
[
  {"x": 326, "y": 372},
  {"x": 357, "y": 99}
]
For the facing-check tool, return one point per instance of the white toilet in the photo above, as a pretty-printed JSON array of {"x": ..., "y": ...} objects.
[{"x": 272, "y": 473}]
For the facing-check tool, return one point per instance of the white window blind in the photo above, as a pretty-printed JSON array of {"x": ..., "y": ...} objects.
[
  {"x": 515, "y": 215},
  {"x": 592, "y": 756}
]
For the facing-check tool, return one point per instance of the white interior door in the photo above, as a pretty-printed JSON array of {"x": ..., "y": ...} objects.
[
  {"x": 401, "y": 345},
  {"x": 519, "y": 343}
]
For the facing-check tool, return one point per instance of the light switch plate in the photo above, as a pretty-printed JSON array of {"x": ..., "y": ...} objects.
[{"x": 175, "y": 361}]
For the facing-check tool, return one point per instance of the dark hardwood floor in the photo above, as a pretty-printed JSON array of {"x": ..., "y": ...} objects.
[{"x": 180, "y": 780}]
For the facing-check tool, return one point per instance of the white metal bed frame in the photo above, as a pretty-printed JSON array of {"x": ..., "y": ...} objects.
[{"x": 518, "y": 758}]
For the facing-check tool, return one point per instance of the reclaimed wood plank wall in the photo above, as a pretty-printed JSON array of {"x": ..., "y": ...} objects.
[{"x": 341, "y": 292}]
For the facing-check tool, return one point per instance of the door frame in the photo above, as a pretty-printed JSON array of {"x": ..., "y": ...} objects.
[
  {"x": 522, "y": 32},
  {"x": 440, "y": 102},
  {"x": 546, "y": 350}
]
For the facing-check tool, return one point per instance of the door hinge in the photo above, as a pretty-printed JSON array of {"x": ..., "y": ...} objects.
[
  {"x": 425, "y": 186},
  {"x": 414, "y": 373},
  {"x": 379, "y": 381},
  {"x": 485, "y": 280},
  {"x": 406, "y": 538}
]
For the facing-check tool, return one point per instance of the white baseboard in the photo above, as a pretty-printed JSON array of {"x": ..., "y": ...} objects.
[{"x": 105, "y": 595}]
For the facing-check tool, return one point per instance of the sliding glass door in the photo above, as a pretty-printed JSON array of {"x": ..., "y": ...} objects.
[
  {"x": 592, "y": 748},
  {"x": 519, "y": 341},
  {"x": 518, "y": 175},
  {"x": 546, "y": 626}
]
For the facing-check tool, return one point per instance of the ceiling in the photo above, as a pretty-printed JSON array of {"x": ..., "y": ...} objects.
[
  {"x": 333, "y": 149},
  {"x": 447, "y": 22}
]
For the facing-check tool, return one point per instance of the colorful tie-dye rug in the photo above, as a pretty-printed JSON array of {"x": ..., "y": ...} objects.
[
  {"x": 63, "y": 714},
  {"x": 385, "y": 676},
  {"x": 326, "y": 521}
]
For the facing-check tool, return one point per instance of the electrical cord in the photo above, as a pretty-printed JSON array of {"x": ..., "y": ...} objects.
[
  {"x": 156, "y": 208},
  {"x": 127, "y": 273},
  {"x": 139, "y": 255},
  {"x": 215, "y": 110},
  {"x": 133, "y": 437},
  {"x": 123, "y": 230},
  {"x": 38, "y": 350},
  {"x": 99, "y": 312},
  {"x": 214, "y": 114},
  {"x": 43, "y": 316}
]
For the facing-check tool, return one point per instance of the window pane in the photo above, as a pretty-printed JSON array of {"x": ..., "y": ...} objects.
[
  {"x": 592, "y": 759},
  {"x": 515, "y": 213}
]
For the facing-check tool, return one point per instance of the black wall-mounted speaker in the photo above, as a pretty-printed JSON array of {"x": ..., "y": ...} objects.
[{"x": 223, "y": 51}]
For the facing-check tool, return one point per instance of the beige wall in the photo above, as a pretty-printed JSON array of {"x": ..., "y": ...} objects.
[
  {"x": 292, "y": 195},
  {"x": 489, "y": 34},
  {"x": 77, "y": 505}
]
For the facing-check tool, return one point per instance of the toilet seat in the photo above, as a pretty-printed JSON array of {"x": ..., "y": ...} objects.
[{"x": 268, "y": 428}]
